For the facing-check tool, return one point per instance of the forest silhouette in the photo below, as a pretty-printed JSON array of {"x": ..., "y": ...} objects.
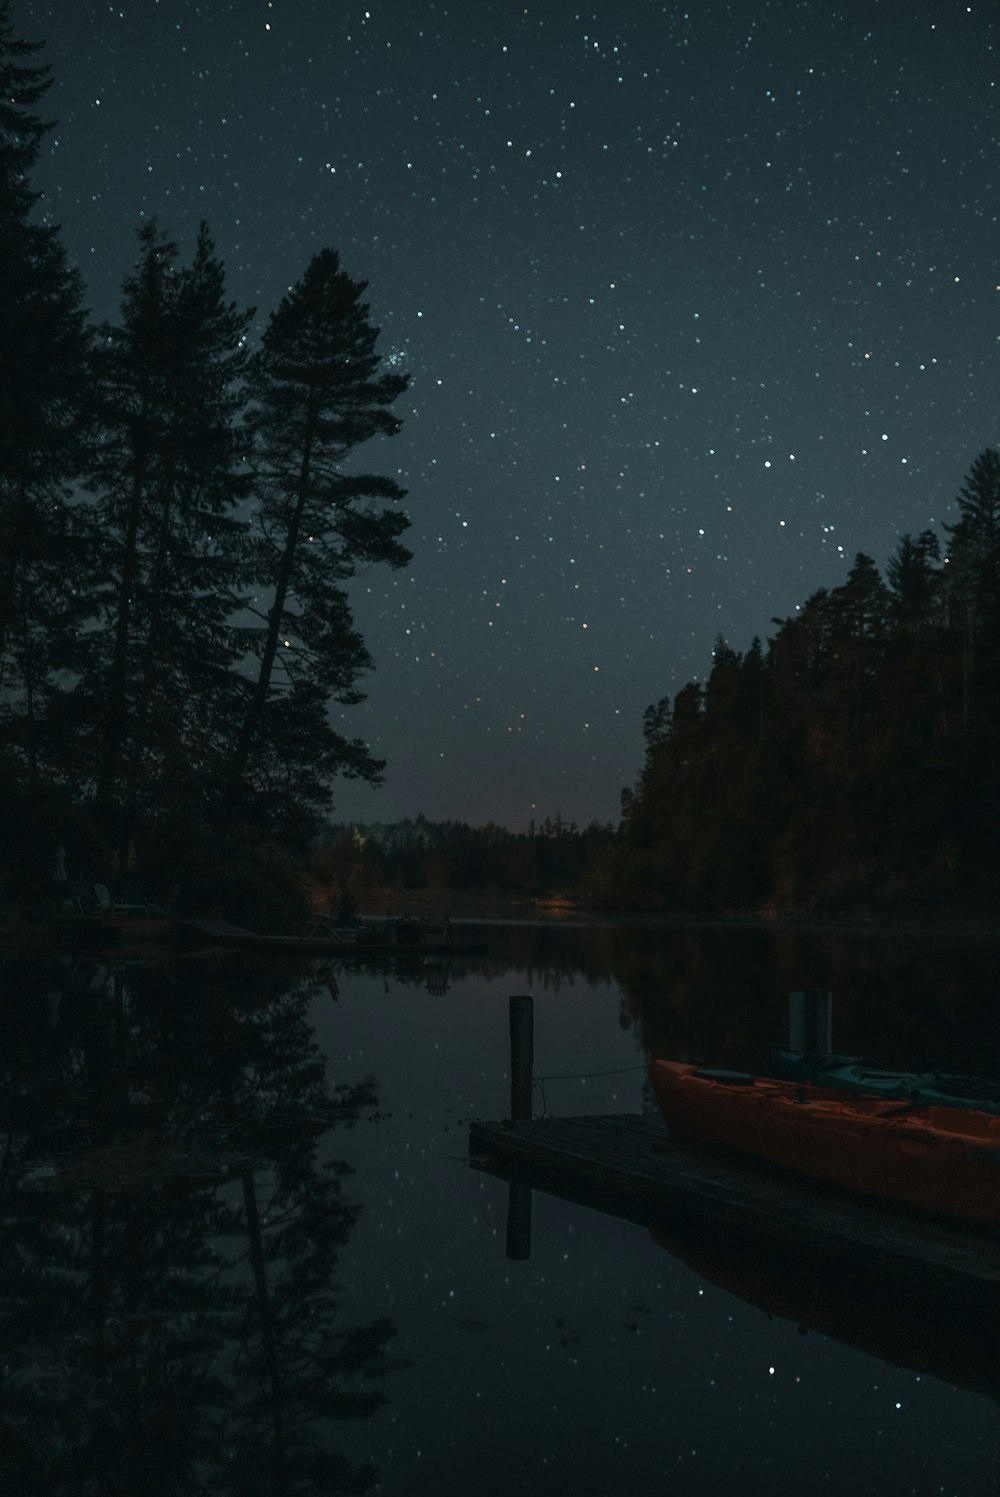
[
  {"x": 851, "y": 763},
  {"x": 854, "y": 759},
  {"x": 178, "y": 525},
  {"x": 181, "y": 516}
]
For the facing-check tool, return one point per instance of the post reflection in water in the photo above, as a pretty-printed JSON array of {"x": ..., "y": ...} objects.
[{"x": 233, "y": 1261}]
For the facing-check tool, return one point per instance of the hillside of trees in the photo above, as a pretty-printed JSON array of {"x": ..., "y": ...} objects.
[
  {"x": 180, "y": 517},
  {"x": 850, "y": 765},
  {"x": 852, "y": 762}
]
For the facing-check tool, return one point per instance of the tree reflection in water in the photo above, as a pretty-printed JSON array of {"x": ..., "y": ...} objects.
[{"x": 170, "y": 1235}]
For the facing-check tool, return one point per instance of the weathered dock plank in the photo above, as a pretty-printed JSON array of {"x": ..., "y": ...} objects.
[{"x": 628, "y": 1165}]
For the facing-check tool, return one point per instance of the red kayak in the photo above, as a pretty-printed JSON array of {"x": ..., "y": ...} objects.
[{"x": 942, "y": 1159}]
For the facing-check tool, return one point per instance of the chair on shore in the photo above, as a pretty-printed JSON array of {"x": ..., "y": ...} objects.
[
  {"x": 79, "y": 896},
  {"x": 129, "y": 898}
]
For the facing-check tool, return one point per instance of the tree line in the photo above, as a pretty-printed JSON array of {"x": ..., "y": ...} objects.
[
  {"x": 180, "y": 516},
  {"x": 852, "y": 760},
  {"x": 360, "y": 865}
]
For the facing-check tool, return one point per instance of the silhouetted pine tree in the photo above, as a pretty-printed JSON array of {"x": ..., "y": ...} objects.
[
  {"x": 859, "y": 633},
  {"x": 920, "y": 690},
  {"x": 973, "y": 561},
  {"x": 913, "y": 573},
  {"x": 43, "y": 346},
  {"x": 973, "y": 590},
  {"x": 318, "y": 396},
  {"x": 167, "y": 476}
]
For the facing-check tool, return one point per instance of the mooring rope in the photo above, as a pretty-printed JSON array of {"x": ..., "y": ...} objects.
[
  {"x": 586, "y": 1075},
  {"x": 540, "y": 1081}
]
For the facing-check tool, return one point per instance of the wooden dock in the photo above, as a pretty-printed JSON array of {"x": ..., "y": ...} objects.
[{"x": 628, "y": 1166}]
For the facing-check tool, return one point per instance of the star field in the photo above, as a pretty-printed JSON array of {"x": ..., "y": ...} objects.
[{"x": 697, "y": 303}]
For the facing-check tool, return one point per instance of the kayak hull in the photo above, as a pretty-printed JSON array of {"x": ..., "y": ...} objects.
[{"x": 936, "y": 1159}]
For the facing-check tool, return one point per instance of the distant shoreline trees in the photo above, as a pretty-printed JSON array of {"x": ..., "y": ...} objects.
[{"x": 358, "y": 865}]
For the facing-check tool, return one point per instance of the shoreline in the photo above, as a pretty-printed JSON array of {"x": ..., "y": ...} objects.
[{"x": 20, "y": 927}]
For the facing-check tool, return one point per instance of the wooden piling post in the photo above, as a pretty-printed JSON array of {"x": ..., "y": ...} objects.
[
  {"x": 522, "y": 1056},
  {"x": 810, "y": 1020}
]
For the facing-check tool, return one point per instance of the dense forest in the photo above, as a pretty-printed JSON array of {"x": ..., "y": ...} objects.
[
  {"x": 181, "y": 515},
  {"x": 853, "y": 761},
  {"x": 179, "y": 519}
]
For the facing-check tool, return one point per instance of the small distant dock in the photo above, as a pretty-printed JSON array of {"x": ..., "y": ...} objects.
[
  {"x": 354, "y": 945},
  {"x": 628, "y": 1166}
]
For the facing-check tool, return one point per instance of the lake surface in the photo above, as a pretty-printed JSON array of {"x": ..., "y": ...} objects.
[{"x": 244, "y": 1251}]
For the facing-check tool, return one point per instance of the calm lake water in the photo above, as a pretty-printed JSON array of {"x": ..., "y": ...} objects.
[{"x": 243, "y": 1250}]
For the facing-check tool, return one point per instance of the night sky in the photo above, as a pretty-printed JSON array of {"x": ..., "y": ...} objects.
[{"x": 698, "y": 302}]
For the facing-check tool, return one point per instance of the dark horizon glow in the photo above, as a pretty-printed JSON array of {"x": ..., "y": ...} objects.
[{"x": 697, "y": 304}]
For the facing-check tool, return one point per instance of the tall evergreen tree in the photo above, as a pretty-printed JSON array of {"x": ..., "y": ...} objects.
[
  {"x": 43, "y": 347},
  {"x": 860, "y": 609},
  {"x": 973, "y": 568},
  {"x": 318, "y": 396},
  {"x": 920, "y": 698},
  {"x": 972, "y": 583},
  {"x": 973, "y": 562},
  {"x": 167, "y": 477},
  {"x": 913, "y": 573}
]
